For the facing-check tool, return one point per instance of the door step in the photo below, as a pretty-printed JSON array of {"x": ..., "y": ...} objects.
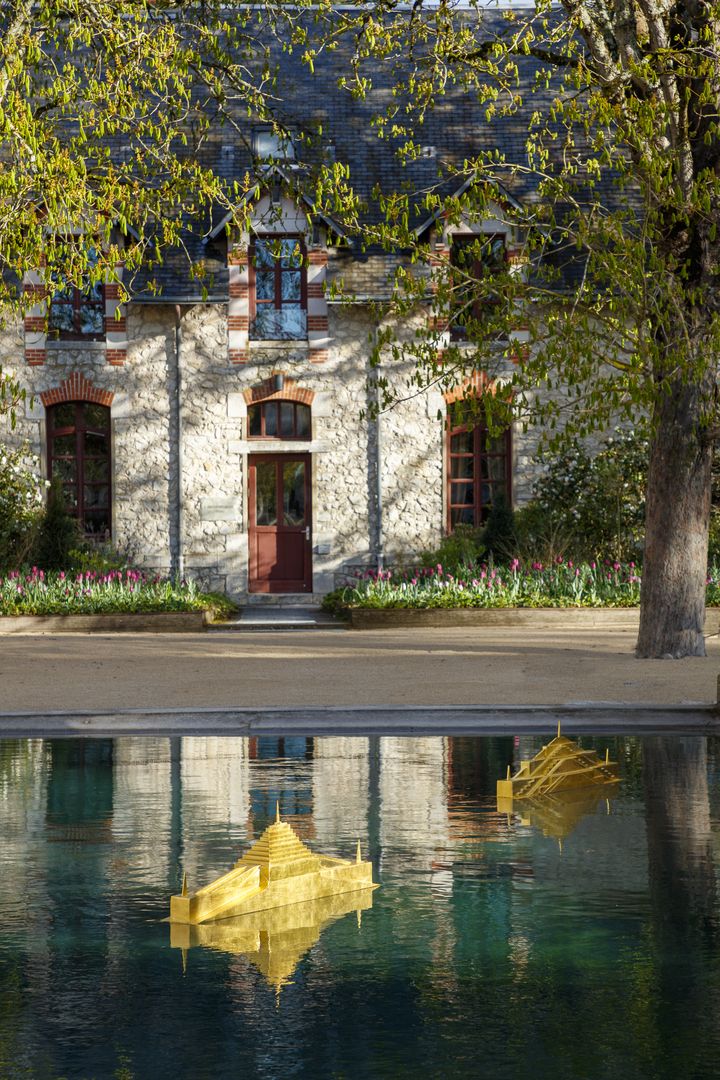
[{"x": 253, "y": 620}]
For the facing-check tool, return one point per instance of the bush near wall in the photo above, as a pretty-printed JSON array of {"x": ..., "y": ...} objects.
[{"x": 21, "y": 504}]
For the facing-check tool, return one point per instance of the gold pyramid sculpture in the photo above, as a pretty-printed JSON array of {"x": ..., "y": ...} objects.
[
  {"x": 277, "y": 870},
  {"x": 559, "y": 767},
  {"x": 275, "y": 939}
]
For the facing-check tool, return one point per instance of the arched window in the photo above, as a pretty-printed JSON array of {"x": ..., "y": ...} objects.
[
  {"x": 79, "y": 455},
  {"x": 279, "y": 420},
  {"x": 478, "y": 468}
]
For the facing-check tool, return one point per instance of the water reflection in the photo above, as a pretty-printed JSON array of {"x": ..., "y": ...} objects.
[
  {"x": 274, "y": 940},
  {"x": 486, "y": 951}
]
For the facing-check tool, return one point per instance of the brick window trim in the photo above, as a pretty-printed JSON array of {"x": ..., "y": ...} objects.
[
  {"x": 265, "y": 391},
  {"x": 474, "y": 386},
  {"x": 77, "y": 388}
]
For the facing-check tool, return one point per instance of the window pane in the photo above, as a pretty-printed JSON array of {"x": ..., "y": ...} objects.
[
  {"x": 270, "y": 411},
  {"x": 462, "y": 443},
  {"x": 290, "y": 280},
  {"x": 95, "y": 495},
  {"x": 271, "y": 323},
  {"x": 92, "y": 318},
  {"x": 64, "y": 444},
  {"x": 294, "y": 493},
  {"x": 254, "y": 421},
  {"x": 95, "y": 443},
  {"x": 303, "y": 421},
  {"x": 64, "y": 468},
  {"x": 271, "y": 145},
  {"x": 287, "y": 427},
  {"x": 96, "y": 470},
  {"x": 462, "y": 494},
  {"x": 265, "y": 284},
  {"x": 462, "y": 515},
  {"x": 96, "y": 416},
  {"x": 496, "y": 469},
  {"x": 61, "y": 316},
  {"x": 97, "y": 523},
  {"x": 264, "y": 256},
  {"x": 70, "y": 496},
  {"x": 461, "y": 467},
  {"x": 290, "y": 252},
  {"x": 63, "y": 415},
  {"x": 265, "y": 493}
]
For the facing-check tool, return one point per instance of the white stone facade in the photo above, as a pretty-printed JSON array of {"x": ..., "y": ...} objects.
[{"x": 191, "y": 410}]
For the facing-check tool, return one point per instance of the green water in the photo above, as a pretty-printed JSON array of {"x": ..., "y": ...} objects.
[{"x": 491, "y": 949}]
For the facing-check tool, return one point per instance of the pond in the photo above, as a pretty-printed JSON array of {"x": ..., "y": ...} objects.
[{"x": 498, "y": 945}]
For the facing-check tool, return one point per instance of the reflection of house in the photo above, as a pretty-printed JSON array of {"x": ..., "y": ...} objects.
[{"x": 256, "y": 379}]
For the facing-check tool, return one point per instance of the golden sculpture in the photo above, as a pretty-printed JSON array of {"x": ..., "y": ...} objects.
[
  {"x": 278, "y": 870},
  {"x": 274, "y": 939},
  {"x": 559, "y": 767}
]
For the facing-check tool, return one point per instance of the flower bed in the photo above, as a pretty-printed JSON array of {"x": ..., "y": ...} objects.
[
  {"x": 92, "y": 593},
  {"x": 561, "y": 585}
]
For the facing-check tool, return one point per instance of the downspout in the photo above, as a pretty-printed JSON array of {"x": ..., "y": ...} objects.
[
  {"x": 179, "y": 560},
  {"x": 379, "y": 554}
]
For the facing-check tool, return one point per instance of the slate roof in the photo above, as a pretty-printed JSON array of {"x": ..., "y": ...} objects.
[{"x": 456, "y": 128}]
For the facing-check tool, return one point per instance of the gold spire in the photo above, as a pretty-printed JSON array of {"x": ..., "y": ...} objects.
[
  {"x": 358, "y": 856},
  {"x": 558, "y": 734},
  {"x": 277, "y": 811},
  {"x": 184, "y": 885}
]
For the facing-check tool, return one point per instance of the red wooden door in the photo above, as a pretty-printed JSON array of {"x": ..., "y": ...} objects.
[{"x": 280, "y": 523}]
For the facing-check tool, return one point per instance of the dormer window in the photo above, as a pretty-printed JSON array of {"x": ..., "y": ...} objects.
[
  {"x": 474, "y": 256},
  {"x": 271, "y": 145},
  {"x": 278, "y": 288},
  {"x": 78, "y": 312}
]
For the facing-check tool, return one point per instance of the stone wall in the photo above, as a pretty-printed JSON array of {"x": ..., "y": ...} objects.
[{"x": 215, "y": 446}]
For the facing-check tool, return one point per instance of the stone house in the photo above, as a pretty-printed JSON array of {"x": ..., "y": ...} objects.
[{"x": 221, "y": 430}]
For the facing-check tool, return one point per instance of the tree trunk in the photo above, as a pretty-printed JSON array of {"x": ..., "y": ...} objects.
[{"x": 677, "y": 518}]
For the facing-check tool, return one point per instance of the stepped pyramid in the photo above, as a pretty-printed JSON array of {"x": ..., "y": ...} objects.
[
  {"x": 280, "y": 853},
  {"x": 278, "y": 870}
]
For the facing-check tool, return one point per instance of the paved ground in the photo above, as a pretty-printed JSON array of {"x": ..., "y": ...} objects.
[{"x": 342, "y": 668}]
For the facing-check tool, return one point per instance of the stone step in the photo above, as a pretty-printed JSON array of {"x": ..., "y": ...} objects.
[
  {"x": 283, "y": 600},
  {"x": 255, "y": 619}
]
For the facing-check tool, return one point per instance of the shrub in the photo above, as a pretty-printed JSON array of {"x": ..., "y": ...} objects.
[
  {"x": 597, "y": 502},
  {"x": 21, "y": 499},
  {"x": 59, "y": 533},
  {"x": 498, "y": 536},
  {"x": 461, "y": 550}
]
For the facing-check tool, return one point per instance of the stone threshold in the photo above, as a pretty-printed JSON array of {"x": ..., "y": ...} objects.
[
  {"x": 153, "y": 622},
  {"x": 501, "y": 618}
]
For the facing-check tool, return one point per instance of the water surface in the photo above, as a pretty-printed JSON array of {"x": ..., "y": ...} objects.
[{"x": 496, "y": 946}]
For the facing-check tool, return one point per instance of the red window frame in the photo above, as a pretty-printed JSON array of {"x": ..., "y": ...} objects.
[
  {"x": 276, "y": 301},
  {"x": 80, "y": 428},
  {"x": 478, "y": 268},
  {"x": 271, "y": 416},
  {"x": 472, "y": 465}
]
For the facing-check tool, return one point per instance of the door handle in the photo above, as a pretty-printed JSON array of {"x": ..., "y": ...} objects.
[{"x": 307, "y": 532}]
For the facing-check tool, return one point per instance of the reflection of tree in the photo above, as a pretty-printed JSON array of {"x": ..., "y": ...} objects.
[
  {"x": 680, "y": 857},
  {"x": 683, "y": 900}
]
